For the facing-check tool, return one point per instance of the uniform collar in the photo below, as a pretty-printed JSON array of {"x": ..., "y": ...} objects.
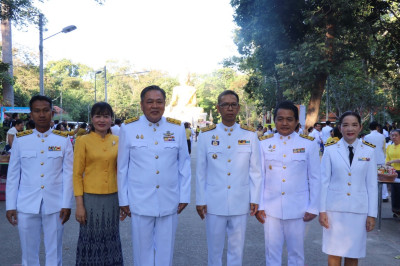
[
  {"x": 354, "y": 144},
  {"x": 42, "y": 135},
  {"x": 151, "y": 124},
  {"x": 94, "y": 134},
  {"x": 291, "y": 136},
  {"x": 228, "y": 129}
]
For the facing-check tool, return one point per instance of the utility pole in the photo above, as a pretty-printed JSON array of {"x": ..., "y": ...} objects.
[
  {"x": 105, "y": 84},
  {"x": 41, "y": 83}
]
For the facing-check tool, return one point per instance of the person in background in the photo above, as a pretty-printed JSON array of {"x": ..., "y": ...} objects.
[
  {"x": 335, "y": 135},
  {"x": 60, "y": 127},
  {"x": 30, "y": 125},
  {"x": 82, "y": 130},
  {"x": 115, "y": 129},
  {"x": 95, "y": 189},
  {"x": 326, "y": 132},
  {"x": 197, "y": 132},
  {"x": 39, "y": 186},
  {"x": 260, "y": 131},
  {"x": 17, "y": 126},
  {"x": 188, "y": 135},
  {"x": 52, "y": 126},
  {"x": 317, "y": 134},
  {"x": 393, "y": 159},
  {"x": 14, "y": 118},
  {"x": 349, "y": 194}
]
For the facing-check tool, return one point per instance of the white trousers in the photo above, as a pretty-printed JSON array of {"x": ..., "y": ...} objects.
[
  {"x": 30, "y": 227},
  {"x": 276, "y": 232},
  {"x": 153, "y": 239},
  {"x": 235, "y": 228},
  {"x": 385, "y": 193}
]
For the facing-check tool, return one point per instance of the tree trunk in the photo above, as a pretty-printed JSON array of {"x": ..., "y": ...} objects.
[
  {"x": 279, "y": 92},
  {"x": 8, "y": 90},
  {"x": 315, "y": 100}
]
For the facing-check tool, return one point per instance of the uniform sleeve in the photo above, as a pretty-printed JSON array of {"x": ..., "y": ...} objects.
[
  {"x": 314, "y": 178},
  {"x": 122, "y": 166},
  {"x": 201, "y": 171},
  {"x": 326, "y": 169},
  {"x": 255, "y": 171},
  {"x": 79, "y": 166},
  {"x": 184, "y": 168},
  {"x": 67, "y": 175},
  {"x": 13, "y": 177},
  {"x": 262, "y": 158},
  {"x": 388, "y": 154},
  {"x": 372, "y": 186}
]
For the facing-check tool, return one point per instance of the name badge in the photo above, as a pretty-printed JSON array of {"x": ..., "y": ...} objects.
[
  {"x": 54, "y": 148},
  {"x": 300, "y": 150},
  {"x": 365, "y": 159},
  {"x": 243, "y": 142}
]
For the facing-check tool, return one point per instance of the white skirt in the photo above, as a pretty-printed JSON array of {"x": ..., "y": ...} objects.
[{"x": 346, "y": 236}]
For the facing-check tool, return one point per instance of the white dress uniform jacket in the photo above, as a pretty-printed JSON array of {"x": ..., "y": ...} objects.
[
  {"x": 40, "y": 169},
  {"x": 346, "y": 188},
  {"x": 228, "y": 170},
  {"x": 379, "y": 141},
  {"x": 326, "y": 133},
  {"x": 153, "y": 166},
  {"x": 291, "y": 169}
]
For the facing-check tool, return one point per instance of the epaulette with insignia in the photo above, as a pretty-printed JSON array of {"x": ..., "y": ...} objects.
[
  {"x": 24, "y": 133},
  {"x": 205, "y": 129},
  {"x": 71, "y": 133},
  {"x": 60, "y": 133},
  {"x": 266, "y": 137},
  {"x": 174, "y": 121},
  {"x": 369, "y": 144},
  {"x": 330, "y": 143},
  {"x": 130, "y": 120},
  {"x": 306, "y": 137},
  {"x": 247, "y": 128}
]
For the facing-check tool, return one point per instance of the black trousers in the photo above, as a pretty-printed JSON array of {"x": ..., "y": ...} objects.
[
  {"x": 395, "y": 196},
  {"x": 189, "y": 146}
]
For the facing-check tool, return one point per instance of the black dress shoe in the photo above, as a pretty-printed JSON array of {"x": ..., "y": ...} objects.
[{"x": 385, "y": 200}]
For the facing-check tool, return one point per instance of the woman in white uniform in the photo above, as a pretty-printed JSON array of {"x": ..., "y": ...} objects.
[{"x": 349, "y": 194}]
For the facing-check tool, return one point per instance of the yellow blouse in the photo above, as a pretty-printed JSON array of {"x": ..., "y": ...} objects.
[
  {"x": 95, "y": 164},
  {"x": 393, "y": 153}
]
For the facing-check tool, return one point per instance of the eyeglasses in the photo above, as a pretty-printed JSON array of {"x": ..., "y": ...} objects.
[{"x": 227, "y": 105}]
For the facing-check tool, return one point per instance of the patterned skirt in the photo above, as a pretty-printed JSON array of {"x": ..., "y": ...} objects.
[{"x": 99, "y": 241}]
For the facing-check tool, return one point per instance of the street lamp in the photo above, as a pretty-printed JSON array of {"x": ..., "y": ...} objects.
[
  {"x": 64, "y": 30},
  {"x": 95, "y": 75}
]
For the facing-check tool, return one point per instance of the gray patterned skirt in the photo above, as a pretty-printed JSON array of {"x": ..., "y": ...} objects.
[{"x": 99, "y": 241}]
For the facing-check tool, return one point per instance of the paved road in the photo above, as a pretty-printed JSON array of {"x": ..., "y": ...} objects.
[{"x": 191, "y": 246}]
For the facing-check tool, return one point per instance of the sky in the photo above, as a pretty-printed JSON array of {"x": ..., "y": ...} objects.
[{"x": 177, "y": 36}]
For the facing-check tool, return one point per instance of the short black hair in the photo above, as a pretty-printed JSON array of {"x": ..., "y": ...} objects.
[
  {"x": 373, "y": 125},
  {"x": 40, "y": 98},
  {"x": 227, "y": 92},
  {"x": 101, "y": 108},
  {"x": 30, "y": 124},
  {"x": 152, "y": 88},
  {"x": 350, "y": 113},
  {"x": 83, "y": 125},
  {"x": 118, "y": 121},
  {"x": 328, "y": 123},
  {"x": 16, "y": 122},
  {"x": 287, "y": 105}
]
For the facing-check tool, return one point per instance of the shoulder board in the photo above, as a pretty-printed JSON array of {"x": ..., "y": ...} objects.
[
  {"x": 130, "y": 120},
  {"x": 330, "y": 143},
  {"x": 306, "y": 137},
  {"x": 266, "y": 137},
  {"x": 174, "y": 121},
  {"x": 24, "y": 133},
  {"x": 205, "y": 129},
  {"x": 248, "y": 128},
  {"x": 369, "y": 144},
  {"x": 71, "y": 133},
  {"x": 60, "y": 133}
]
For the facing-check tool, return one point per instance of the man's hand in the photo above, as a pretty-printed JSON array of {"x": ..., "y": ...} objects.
[
  {"x": 181, "y": 206},
  {"x": 80, "y": 214},
  {"x": 12, "y": 217},
  {"x": 201, "y": 211},
  {"x": 370, "y": 223},
  {"x": 323, "y": 220},
  {"x": 261, "y": 216},
  {"x": 253, "y": 209},
  {"x": 123, "y": 212},
  {"x": 64, "y": 215},
  {"x": 308, "y": 217}
]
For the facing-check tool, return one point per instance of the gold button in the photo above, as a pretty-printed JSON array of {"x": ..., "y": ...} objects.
[
  {"x": 154, "y": 129},
  {"x": 284, "y": 156},
  {"x": 158, "y": 124},
  {"x": 229, "y": 160},
  {"x": 229, "y": 134},
  {"x": 150, "y": 124},
  {"x": 157, "y": 172},
  {"x": 349, "y": 174},
  {"x": 288, "y": 137},
  {"x": 229, "y": 187},
  {"x": 348, "y": 194},
  {"x": 42, "y": 175},
  {"x": 229, "y": 147},
  {"x": 229, "y": 173},
  {"x": 156, "y": 156},
  {"x": 281, "y": 137},
  {"x": 283, "y": 193},
  {"x": 283, "y": 180},
  {"x": 41, "y": 151},
  {"x": 231, "y": 129},
  {"x": 42, "y": 163},
  {"x": 226, "y": 129},
  {"x": 42, "y": 187},
  {"x": 349, "y": 184},
  {"x": 157, "y": 186},
  {"x": 284, "y": 167},
  {"x": 284, "y": 142},
  {"x": 42, "y": 140},
  {"x": 156, "y": 142}
]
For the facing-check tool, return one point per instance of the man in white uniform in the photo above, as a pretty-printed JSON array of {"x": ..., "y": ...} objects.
[
  {"x": 153, "y": 178},
  {"x": 39, "y": 185},
  {"x": 290, "y": 191},
  {"x": 228, "y": 181},
  {"x": 379, "y": 141},
  {"x": 326, "y": 131},
  {"x": 115, "y": 129}
]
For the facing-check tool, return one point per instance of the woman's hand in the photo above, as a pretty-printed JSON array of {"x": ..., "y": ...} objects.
[
  {"x": 370, "y": 223},
  {"x": 323, "y": 220},
  {"x": 80, "y": 214}
]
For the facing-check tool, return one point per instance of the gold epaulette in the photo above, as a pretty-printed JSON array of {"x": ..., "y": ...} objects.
[
  {"x": 369, "y": 144},
  {"x": 330, "y": 143},
  {"x": 130, "y": 120},
  {"x": 24, "y": 133},
  {"x": 205, "y": 129},
  {"x": 60, "y": 133},
  {"x": 266, "y": 137},
  {"x": 174, "y": 121},
  {"x": 248, "y": 128},
  {"x": 306, "y": 137},
  {"x": 71, "y": 133}
]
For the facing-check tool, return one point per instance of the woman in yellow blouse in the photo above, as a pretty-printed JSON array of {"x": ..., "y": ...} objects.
[
  {"x": 95, "y": 188},
  {"x": 393, "y": 159}
]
